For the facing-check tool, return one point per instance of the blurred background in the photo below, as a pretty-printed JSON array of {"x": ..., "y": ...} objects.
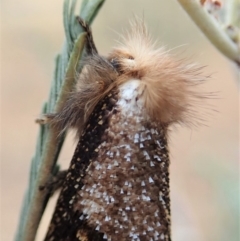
[{"x": 204, "y": 160}]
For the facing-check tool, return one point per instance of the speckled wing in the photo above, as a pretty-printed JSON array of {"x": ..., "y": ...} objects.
[
  {"x": 66, "y": 223},
  {"x": 117, "y": 185}
]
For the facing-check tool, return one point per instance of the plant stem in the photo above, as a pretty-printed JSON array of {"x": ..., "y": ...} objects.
[{"x": 211, "y": 29}]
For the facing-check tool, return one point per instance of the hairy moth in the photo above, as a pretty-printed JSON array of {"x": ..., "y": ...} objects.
[{"x": 117, "y": 185}]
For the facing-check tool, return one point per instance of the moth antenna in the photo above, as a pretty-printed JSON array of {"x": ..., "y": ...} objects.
[{"x": 90, "y": 45}]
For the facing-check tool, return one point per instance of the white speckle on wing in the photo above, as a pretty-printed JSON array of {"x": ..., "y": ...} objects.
[
  {"x": 157, "y": 157},
  {"x": 150, "y": 180}
]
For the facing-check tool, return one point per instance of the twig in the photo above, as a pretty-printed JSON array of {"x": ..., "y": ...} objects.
[
  {"x": 48, "y": 145},
  {"x": 212, "y": 29}
]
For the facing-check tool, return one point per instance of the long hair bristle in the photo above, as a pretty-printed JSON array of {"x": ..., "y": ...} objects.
[{"x": 171, "y": 86}]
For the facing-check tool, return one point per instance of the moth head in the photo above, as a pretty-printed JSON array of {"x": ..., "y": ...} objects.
[{"x": 133, "y": 56}]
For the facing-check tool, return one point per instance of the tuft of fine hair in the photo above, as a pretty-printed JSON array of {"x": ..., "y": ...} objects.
[{"x": 170, "y": 86}]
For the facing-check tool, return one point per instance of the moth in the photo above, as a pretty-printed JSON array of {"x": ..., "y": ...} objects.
[{"x": 117, "y": 184}]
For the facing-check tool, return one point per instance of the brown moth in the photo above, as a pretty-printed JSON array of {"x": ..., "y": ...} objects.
[{"x": 117, "y": 185}]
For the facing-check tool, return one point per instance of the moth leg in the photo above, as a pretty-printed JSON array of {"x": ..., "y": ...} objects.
[
  {"x": 42, "y": 120},
  {"x": 90, "y": 45},
  {"x": 45, "y": 119},
  {"x": 54, "y": 183}
]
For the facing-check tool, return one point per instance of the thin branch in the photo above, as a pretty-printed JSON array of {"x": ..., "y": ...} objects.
[
  {"x": 52, "y": 146},
  {"x": 48, "y": 145},
  {"x": 212, "y": 29}
]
